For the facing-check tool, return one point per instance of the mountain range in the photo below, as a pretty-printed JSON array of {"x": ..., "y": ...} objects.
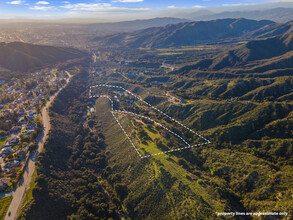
[
  {"x": 128, "y": 26},
  {"x": 187, "y": 33},
  {"x": 265, "y": 45},
  {"x": 18, "y": 56},
  {"x": 279, "y": 47},
  {"x": 274, "y": 14}
]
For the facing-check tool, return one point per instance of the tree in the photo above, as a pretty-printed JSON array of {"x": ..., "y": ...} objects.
[
  {"x": 2, "y": 133},
  {"x": 121, "y": 190},
  {"x": 32, "y": 147}
]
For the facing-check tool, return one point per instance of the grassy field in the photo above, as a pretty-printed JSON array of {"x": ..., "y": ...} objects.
[{"x": 4, "y": 204}]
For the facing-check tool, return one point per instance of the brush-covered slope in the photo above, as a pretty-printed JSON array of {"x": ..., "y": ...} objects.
[
  {"x": 261, "y": 55},
  {"x": 253, "y": 89},
  {"x": 187, "y": 34},
  {"x": 18, "y": 56},
  {"x": 273, "y": 30},
  {"x": 91, "y": 171},
  {"x": 255, "y": 50}
]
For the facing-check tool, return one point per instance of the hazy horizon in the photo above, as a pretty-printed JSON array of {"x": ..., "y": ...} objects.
[{"x": 122, "y": 10}]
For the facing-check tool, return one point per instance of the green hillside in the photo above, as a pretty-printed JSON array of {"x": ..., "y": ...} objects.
[{"x": 255, "y": 50}]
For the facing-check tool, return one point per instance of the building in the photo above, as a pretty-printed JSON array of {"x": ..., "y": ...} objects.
[
  {"x": 14, "y": 140},
  {"x": 5, "y": 151},
  {"x": 11, "y": 164},
  {"x": 30, "y": 126},
  {"x": 15, "y": 129},
  {"x": 21, "y": 112},
  {"x": 22, "y": 120},
  {"x": 28, "y": 133},
  {"x": 31, "y": 113}
]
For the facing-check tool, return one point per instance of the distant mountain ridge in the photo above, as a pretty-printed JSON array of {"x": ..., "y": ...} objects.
[
  {"x": 18, "y": 56},
  {"x": 275, "y": 14},
  {"x": 134, "y": 25},
  {"x": 186, "y": 34}
]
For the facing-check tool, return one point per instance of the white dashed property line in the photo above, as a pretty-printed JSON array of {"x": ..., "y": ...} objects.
[
  {"x": 112, "y": 108},
  {"x": 112, "y": 86},
  {"x": 164, "y": 152},
  {"x": 127, "y": 135},
  {"x": 119, "y": 111},
  {"x": 142, "y": 116},
  {"x": 158, "y": 110}
]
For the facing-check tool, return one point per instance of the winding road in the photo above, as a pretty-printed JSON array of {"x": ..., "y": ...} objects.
[{"x": 19, "y": 193}]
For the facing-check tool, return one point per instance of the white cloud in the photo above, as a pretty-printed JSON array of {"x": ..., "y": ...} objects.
[
  {"x": 128, "y": 1},
  {"x": 198, "y": 6},
  {"x": 85, "y": 6},
  {"x": 66, "y": 2},
  {"x": 42, "y": 3},
  {"x": 100, "y": 7},
  {"x": 42, "y": 8},
  {"x": 16, "y": 2},
  {"x": 184, "y": 7}
]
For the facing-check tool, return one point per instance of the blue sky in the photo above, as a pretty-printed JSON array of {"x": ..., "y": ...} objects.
[{"x": 109, "y": 8}]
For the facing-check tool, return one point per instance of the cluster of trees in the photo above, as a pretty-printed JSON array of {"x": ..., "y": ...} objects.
[
  {"x": 29, "y": 85},
  {"x": 6, "y": 98},
  {"x": 143, "y": 135},
  {"x": 67, "y": 185},
  {"x": 7, "y": 121}
]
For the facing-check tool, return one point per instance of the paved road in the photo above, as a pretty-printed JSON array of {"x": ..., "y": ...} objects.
[{"x": 19, "y": 193}]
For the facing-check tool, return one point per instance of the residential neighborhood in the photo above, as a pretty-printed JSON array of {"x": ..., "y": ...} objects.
[{"x": 20, "y": 121}]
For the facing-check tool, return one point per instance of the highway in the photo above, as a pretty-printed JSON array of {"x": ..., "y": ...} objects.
[{"x": 19, "y": 193}]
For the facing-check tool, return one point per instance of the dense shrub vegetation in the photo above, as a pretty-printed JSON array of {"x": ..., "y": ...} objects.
[{"x": 68, "y": 183}]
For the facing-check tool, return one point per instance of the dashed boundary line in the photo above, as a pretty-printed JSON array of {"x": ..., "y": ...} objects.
[
  {"x": 142, "y": 116},
  {"x": 158, "y": 110},
  {"x": 127, "y": 136}
]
